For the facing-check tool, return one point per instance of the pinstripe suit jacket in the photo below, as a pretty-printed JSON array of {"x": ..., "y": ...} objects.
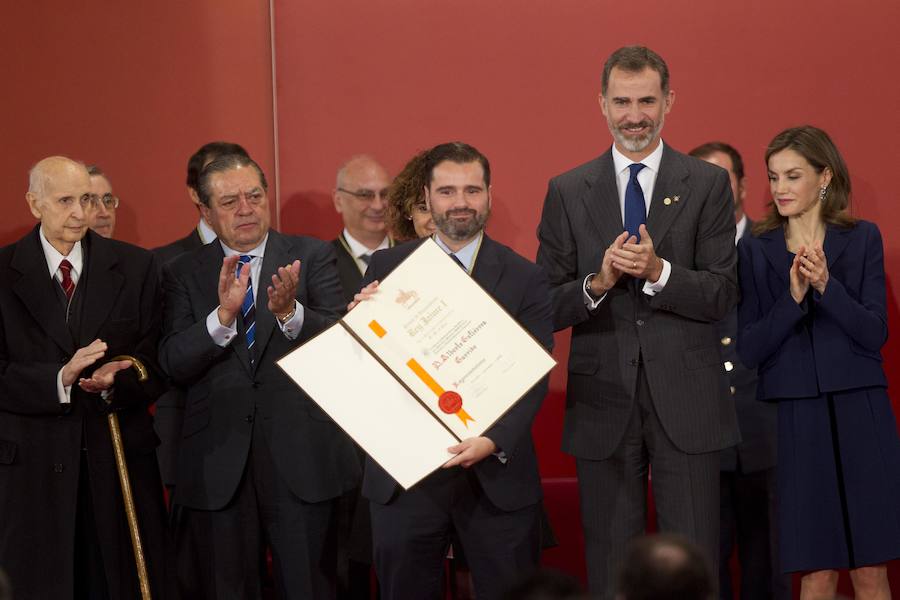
[{"x": 672, "y": 333}]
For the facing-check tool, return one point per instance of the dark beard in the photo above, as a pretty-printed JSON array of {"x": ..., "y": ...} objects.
[{"x": 460, "y": 231}]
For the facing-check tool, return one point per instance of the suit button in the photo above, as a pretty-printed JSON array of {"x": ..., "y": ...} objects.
[
  {"x": 640, "y": 322},
  {"x": 726, "y": 341},
  {"x": 249, "y": 418},
  {"x": 733, "y": 390},
  {"x": 58, "y": 468},
  {"x": 633, "y": 362}
]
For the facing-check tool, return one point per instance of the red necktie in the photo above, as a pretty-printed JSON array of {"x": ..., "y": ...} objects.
[{"x": 68, "y": 285}]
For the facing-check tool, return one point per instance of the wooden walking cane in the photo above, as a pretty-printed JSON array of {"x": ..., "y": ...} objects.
[{"x": 116, "y": 434}]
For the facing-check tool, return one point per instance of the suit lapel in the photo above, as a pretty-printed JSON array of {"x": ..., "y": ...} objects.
[
  {"x": 775, "y": 250},
  {"x": 836, "y": 240},
  {"x": 488, "y": 267},
  {"x": 35, "y": 289},
  {"x": 601, "y": 199},
  {"x": 670, "y": 183},
  {"x": 103, "y": 284}
]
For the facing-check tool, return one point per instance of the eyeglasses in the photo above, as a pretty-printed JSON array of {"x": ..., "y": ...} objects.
[
  {"x": 367, "y": 195},
  {"x": 109, "y": 201}
]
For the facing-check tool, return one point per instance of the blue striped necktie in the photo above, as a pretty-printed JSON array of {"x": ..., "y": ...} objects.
[
  {"x": 635, "y": 207},
  {"x": 248, "y": 308}
]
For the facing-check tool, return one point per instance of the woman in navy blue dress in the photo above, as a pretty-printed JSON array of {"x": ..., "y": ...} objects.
[{"x": 812, "y": 320}]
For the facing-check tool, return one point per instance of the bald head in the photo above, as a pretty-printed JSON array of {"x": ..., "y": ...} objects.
[
  {"x": 59, "y": 191},
  {"x": 360, "y": 196},
  {"x": 664, "y": 567}
]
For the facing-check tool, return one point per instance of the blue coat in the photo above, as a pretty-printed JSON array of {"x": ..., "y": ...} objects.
[{"x": 841, "y": 350}]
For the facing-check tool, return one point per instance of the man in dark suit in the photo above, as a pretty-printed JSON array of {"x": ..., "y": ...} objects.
[
  {"x": 78, "y": 321},
  {"x": 258, "y": 460},
  {"x": 360, "y": 197},
  {"x": 193, "y": 572},
  {"x": 490, "y": 491},
  {"x": 747, "y": 484},
  {"x": 639, "y": 248}
]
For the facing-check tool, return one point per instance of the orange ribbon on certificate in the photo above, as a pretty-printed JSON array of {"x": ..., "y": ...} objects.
[{"x": 450, "y": 402}]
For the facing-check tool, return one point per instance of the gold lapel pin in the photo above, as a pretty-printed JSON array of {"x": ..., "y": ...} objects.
[{"x": 667, "y": 201}]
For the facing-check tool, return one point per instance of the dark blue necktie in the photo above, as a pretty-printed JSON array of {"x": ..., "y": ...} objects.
[
  {"x": 458, "y": 262},
  {"x": 248, "y": 308},
  {"x": 635, "y": 208}
]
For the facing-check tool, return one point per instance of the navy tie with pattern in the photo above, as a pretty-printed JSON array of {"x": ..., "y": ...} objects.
[
  {"x": 635, "y": 208},
  {"x": 248, "y": 308}
]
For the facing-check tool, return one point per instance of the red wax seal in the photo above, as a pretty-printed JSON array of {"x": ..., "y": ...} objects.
[{"x": 450, "y": 402}]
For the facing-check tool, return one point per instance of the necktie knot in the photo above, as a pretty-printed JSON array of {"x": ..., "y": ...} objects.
[
  {"x": 243, "y": 259},
  {"x": 68, "y": 286},
  {"x": 635, "y": 168},
  {"x": 366, "y": 258}
]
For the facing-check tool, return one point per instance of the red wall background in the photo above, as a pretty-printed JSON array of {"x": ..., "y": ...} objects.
[
  {"x": 138, "y": 87},
  {"x": 135, "y": 88}
]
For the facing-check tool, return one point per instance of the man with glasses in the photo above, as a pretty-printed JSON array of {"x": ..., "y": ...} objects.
[
  {"x": 360, "y": 197},
  {"x": 101, "y": 213}
]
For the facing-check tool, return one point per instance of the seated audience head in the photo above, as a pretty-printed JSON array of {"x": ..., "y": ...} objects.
[
  {"x": 807, "y": 176},
  {"x": 202, "y": 157},
  {"x": 360, "y": 197},
  {"x": 233, "y": 201},
  {"x": 458, "y": 192},
  {"x": 59, "y": 193},
  {"x": 101, "y": 213},
  {"x": 664, "y": 567},
  {"x": 5, "y": 589},
  {"x": 725, "y": 156},
  {"x": 408, "y": 216}
]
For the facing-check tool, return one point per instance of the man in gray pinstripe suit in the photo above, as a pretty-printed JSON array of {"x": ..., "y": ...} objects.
[{"x": 639, "y": 248}]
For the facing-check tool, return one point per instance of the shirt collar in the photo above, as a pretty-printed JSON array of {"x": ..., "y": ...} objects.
[
  {"x": 53, "y": 256},
  {"x": 257, "y": 252},
  {"x": 651, "y": 161},
  {"x": 466, "y": 254},
  {"x": 739, "y": 228},
  {"x": 359, "y": 249},
  {"x": 207, "y": 234}
]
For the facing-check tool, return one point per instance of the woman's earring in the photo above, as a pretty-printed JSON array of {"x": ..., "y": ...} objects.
[{"x": 822, "y": 193}]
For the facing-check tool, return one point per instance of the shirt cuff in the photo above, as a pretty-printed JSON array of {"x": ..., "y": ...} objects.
[
  {"x": 291, "y": 328},
  {"x": 651, "y": 289},
  {"x": 63, "y": 392},
  {"x": 222, "y": 335},
  {"x": 588, "y": 300}
]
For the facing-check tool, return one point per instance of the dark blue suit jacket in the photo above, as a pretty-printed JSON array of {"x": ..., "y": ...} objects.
[{"x": 831, "y": 341}]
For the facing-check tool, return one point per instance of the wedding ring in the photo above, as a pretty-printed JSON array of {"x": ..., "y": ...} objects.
[{"x": 633, "y": 265}]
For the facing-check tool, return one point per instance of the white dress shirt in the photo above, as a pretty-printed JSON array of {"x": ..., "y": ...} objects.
[
  {"x": 647, "y": 179},
  {"x": 206, "y": 232},
  {"x": 53, "y": 258},
  {"x": 739, "y": 229},
  {"x": 223, "y": 333}
]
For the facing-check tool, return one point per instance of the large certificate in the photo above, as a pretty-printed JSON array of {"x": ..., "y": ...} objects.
[{"x": 430, "y": 360}]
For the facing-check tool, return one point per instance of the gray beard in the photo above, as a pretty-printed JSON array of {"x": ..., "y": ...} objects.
[{"x": 635, "y": 144}]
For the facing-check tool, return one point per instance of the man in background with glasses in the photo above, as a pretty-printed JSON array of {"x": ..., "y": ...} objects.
[
  {"x": 101, "y": 212},
  {"x": 360, "y": 197}
]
